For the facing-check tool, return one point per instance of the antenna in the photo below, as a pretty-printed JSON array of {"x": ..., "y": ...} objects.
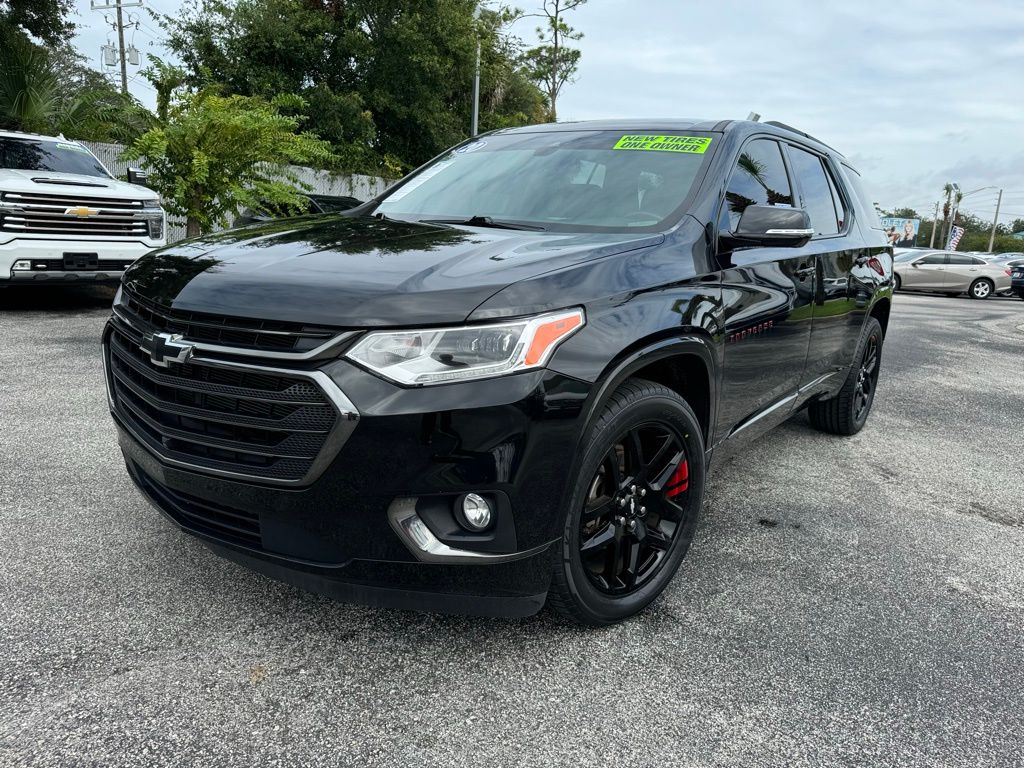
[{"x": 753, "y": 117}]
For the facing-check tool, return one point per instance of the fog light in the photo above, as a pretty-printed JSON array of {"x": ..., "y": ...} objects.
[
  {"x": 23, "y": 264},
  {"x": 476, "y": 512}
]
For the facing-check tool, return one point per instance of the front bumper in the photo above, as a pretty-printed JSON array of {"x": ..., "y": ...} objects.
[
  {"x": 47, "y": 260},
  {"x": 510, "y": 438}
]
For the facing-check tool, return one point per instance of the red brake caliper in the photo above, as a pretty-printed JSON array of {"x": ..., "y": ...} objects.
[{"x": 680, "y": 480}]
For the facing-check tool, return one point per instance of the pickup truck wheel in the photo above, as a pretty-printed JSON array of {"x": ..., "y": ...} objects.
[
  {"x": 981, "y": 289},
  {"x": 633, "y": 508},
  {"x": 847, "y": 412}
]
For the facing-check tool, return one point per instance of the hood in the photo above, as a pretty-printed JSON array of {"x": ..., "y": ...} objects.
[
  {"x": 358, "y": 272},
  {"x": 71, "y": 185}
]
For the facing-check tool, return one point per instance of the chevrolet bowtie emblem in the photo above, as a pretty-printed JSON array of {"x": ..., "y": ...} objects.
[
  {"x": 165, "y": 348},
  {"x": 80, "y": 211}
]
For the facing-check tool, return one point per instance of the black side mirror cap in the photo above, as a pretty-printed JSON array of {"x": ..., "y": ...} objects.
[
  {"x": 770, "y": 225},
  {"x": 138, "y": 176}
]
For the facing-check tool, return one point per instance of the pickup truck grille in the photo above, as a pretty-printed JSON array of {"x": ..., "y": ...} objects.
[
  {"x": 241, "y": 332},
  {"x": 46, "y": 214},
  {"x": 270, "y": 425}
]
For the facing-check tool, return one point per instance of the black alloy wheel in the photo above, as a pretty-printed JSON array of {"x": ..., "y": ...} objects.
[
  {"x": 847, "y": 412},
  {"x": 633, "y": 510},
  {"x": 867, "y": 379},
  {"x": 634, "y": 505}
]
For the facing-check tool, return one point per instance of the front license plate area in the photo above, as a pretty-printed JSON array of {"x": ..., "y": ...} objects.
[{"x": 81, "y": 261}]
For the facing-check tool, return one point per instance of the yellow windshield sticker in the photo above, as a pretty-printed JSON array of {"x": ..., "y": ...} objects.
[{"x": 696, "y": 145}]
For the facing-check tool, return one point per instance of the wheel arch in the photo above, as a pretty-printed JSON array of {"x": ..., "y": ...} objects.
[
  {"x": 685, "y": 365},
  {"x": 880, "y": 311}
]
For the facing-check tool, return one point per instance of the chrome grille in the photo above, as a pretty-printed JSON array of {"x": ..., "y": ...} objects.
[
  {"x": 269, "y": 424},
  {"x": 244, "y": 334},
  {"x": 44, "y": 214}
]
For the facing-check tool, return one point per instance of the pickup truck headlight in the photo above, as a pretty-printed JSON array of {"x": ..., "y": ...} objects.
[
  {"x": 442, "y": 355},
  {"x": 154, "y": 221}
]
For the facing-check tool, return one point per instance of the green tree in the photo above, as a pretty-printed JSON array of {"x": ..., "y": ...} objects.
[
  {"x": 387, "y": 82},
  {"x": 43, "y": 19},
  {"x": 1017, "y": 225},
  {"x": 209, "y": 155},
  {"x": 50, "y": 90},
  {"x": 553, "y": 64}
]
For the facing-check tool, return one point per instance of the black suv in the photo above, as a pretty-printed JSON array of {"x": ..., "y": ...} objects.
[{"x": 504, "y": 380}]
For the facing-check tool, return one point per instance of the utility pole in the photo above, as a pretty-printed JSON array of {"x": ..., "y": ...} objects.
[
  {"x": 995, "y": 222},
  {"x": 120, "y": 48},
  {"x": 935, "y": 224},
  {"x": 99, "y": 5}
]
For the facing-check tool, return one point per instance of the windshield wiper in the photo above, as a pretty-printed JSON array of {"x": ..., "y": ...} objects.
[{"x": 486, "y": 221}]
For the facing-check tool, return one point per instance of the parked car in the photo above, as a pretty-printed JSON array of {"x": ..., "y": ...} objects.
[
  {"x": 317, "y": 204},
  {"x": 1017, "y": 277},
  {"x": 949, "y": 272},
  {"x": 64, "y": 218},
  {"x": 503, "y": 381}
]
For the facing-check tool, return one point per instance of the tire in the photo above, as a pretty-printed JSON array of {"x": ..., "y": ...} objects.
[
  {"x": 848, "y": 411},
  {"x": 897, "y": 284},
  {"x": 1020, "y": 294},
  {"x": 633, "y": 506},
  {"x": 981, "y": 288}
]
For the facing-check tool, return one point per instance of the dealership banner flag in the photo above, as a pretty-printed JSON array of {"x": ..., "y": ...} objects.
[{"x": 954, "y": 238}]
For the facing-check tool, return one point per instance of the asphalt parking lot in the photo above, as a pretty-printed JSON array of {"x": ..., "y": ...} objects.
[{"x": 846, "y": 601}]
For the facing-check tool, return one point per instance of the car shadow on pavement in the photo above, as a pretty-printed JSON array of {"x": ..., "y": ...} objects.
[{"x": 53, "y": 297}]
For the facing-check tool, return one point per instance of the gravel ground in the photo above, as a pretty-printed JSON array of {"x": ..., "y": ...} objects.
[{"x": 846, "y": 601}]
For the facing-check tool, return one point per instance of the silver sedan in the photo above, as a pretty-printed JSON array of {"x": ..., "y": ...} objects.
[{"x": 949, "y": 272}]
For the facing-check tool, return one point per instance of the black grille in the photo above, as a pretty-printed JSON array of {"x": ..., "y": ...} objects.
[
  {"x": 260, "y": 424},
  {"x": 238, "y": 525},
  {"x": 73, "y": 265},
  {"x": 242, "y": 332}
]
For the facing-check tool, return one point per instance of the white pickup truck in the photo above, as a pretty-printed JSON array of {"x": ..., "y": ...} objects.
[{"x": 64, "y": 218}]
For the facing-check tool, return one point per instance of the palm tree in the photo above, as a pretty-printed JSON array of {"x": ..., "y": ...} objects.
[
  {"x": 41, "y": 91},
  {"x": 31, "y": 89}
]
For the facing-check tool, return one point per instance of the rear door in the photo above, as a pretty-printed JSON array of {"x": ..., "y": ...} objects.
[
  {"x": 961, "y": 270},
  {"x": 927, "y": 273},
  {"x": 844, "y": 281},
  {"x": 766, "y": 295}
]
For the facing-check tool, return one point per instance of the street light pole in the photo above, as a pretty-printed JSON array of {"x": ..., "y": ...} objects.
[
  {"x": 995, "y": 222},
  {"x": 476, "y": 75},
  {"x": 935, "y": 225},
  {"x": 476, "y": 92}
]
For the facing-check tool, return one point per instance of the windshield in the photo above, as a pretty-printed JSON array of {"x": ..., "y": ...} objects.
[
  {"x": 585, "y": 180},
  {"x": 42, "y": 155}
]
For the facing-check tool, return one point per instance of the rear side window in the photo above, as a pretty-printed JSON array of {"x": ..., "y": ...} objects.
[
  {"x": 866, "y": 204},
  {"x": 957, "y": 258},
  {"x": 815, "y": 191},
  {"x": 759, "y": 178}
]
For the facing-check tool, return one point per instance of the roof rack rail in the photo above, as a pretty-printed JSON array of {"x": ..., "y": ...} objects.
[{"x": 791, "y": 129}]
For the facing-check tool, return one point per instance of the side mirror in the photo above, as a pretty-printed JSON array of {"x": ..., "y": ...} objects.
[
  {"x": 915, "y": 264},
  {"x": 137, "y": 176},
  {"x": 769, "y": 225}
]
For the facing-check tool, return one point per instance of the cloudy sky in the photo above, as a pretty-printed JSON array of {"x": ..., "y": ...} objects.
[{"x": 915, "y": 92}]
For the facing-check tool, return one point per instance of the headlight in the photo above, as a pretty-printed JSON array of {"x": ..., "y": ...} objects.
[
  {"x": 154, "y": 221},
  {"x": 437, "y": 356}
]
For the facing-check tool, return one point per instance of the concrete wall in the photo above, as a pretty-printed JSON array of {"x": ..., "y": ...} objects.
[{"x": 322, "y": 182}]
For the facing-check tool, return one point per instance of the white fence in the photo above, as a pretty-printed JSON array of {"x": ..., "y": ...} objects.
[{"x": 320, "y": 182}]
